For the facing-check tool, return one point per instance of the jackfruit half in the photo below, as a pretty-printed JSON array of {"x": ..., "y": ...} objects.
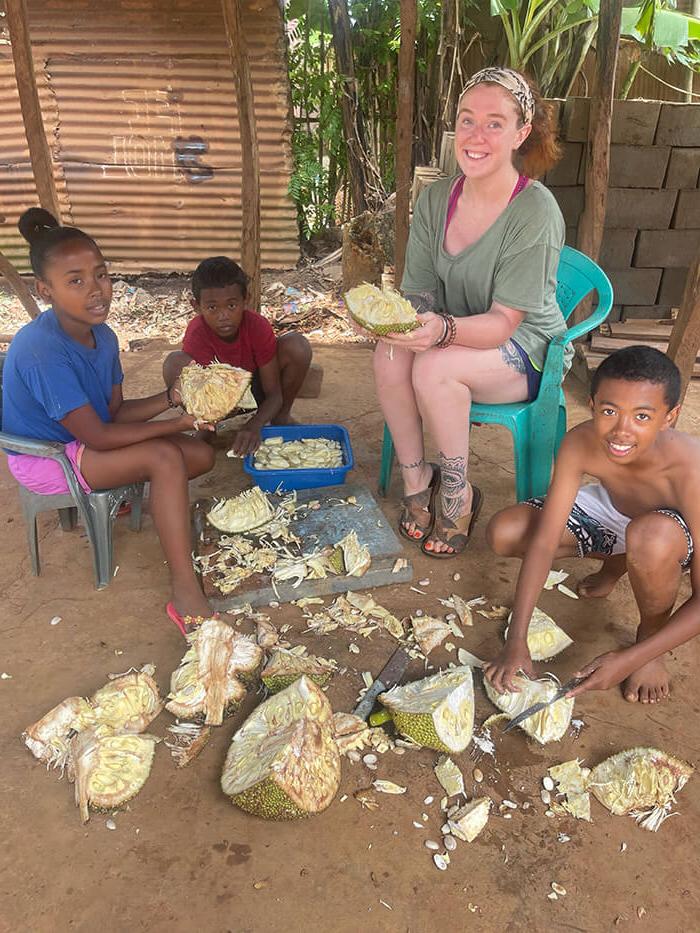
[
  {"x": 212, "y": 392},
  {"x": 283, "y": 763},
  {"x": 550, "y": 724},
  {"x": 544, "y": 637},
  {"x": 284, "y": 667},
  {"x": 245, "y": 512},
  {"x": 128, "y": 703},
  {"x": 436, "y": 712},
  {"x": 381, "y": 310},
  {"x": 213, "y": 674}
]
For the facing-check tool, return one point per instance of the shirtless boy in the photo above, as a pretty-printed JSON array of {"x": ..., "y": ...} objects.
[{"x": 640, "y": 518}]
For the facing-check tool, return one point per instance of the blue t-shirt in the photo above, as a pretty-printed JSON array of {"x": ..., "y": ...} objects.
[{"x": 48, "y": 374}]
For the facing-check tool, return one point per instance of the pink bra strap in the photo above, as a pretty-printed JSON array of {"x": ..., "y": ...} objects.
[{"x": 520, "y": 185}]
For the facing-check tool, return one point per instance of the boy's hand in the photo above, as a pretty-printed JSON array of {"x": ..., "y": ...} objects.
[
  {"x": 247, "y": 441},
  {"x": 511, "y": 660},
  {"x": 604, "y": 672}
]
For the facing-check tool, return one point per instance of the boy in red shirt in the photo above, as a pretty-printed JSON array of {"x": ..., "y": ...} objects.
[{"x": 226, "y": 331}]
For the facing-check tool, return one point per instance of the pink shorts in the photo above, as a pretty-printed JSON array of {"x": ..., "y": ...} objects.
[{"x": 46, "y": 476}]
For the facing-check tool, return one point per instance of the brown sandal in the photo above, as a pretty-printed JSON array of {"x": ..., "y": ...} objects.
[
  {"x": 455, "y": 534},
  {"x": 419, "y": 505}
]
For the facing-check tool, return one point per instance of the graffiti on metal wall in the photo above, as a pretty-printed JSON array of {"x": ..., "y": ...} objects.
[{"x": 154, "y": 145}]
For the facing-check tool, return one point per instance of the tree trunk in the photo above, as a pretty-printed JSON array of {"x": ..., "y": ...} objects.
[
  {"x": 685, "y": 336},
  {"x": 403, "y": 153},
  {"x": 39, "y": 153},
  {"x": 590, "y": 229},
  {"x": 250, "y": 160},
  {"x": 364, "y": 177}
]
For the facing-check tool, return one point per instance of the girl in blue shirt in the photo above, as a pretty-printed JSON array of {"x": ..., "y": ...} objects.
[{"x": 62, "y": 381}]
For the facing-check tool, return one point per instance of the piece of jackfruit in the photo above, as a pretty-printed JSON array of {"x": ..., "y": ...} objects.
[
  {"x": 544, "y": 637},
  {"x": 436, "y": 712},
  {"x": 350, "y": 557},
  {"x": 247, "y": 511},
  {"x": 48, "y": 739},
  {"x": 469, "y": 820},
  {"x": 209, "y": 393},
  {"x": 284, "y": 667},
  {"x": 213, "y": 673},
  {"x": 128, "y": 703},
  {"x": 550, "y": 724},
  {"x": 283, "y": 763},
  {"x": 381, "y": 310}
]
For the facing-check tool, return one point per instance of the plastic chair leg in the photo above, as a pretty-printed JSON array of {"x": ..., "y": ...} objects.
[
  {"x": 32, "y": 539},
  {"x": 387, "y": 463},
  {"x": 98, "y": 523},
  {"x": 68, "y": 518},
  {"x": 136, "y": 509},
  {"x": 523, "y": 485}
]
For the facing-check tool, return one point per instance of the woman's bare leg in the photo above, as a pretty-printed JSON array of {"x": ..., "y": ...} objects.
[
  {"x": 445, "y": 384},
  {"x": 167, "y": 465}
]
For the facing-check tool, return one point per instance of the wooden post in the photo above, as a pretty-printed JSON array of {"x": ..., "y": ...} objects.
[
  {"x": 403, "y": 153},
  {"x": 590, "y": 228},
  {"x": 685, "y": 337},
  {"x": 19, "y": 286},
  {"x": 250, "y": 159},
  {"x": 39, "y": 153}
]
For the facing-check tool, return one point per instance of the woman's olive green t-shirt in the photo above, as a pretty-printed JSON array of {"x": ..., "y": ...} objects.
[{"x": 513, "y": 263}]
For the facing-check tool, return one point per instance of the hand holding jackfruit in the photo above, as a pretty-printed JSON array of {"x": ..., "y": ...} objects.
[{"x": 550, "y": 724}]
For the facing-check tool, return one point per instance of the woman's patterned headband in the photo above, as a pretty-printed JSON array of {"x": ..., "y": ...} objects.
[{"x": 513, "y": 82}]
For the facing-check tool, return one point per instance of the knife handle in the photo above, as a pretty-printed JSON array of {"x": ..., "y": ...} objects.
[{"x": 364, "y": 707}]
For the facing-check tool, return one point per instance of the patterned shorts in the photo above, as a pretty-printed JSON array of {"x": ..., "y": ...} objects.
[{"x": 599, "y": 528}]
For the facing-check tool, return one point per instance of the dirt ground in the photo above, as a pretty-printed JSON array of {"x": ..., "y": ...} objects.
[{"x": 182, "y": 858}]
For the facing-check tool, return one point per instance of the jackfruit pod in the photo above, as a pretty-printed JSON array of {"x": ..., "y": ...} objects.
[{"x": 247, "y": 511}]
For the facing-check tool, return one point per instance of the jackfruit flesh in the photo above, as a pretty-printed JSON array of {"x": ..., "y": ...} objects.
[
  {"x": 544, "y": 637},
  {"x": 284, "y": 667},
  {"x": 283, "y": 763},
  {"x": 467, "y": 822},
  {"x": 350, "y": 557},
  {"x": 128, "y": 703},
  {"x": 550, "y": 724},
  {"x": 211, "y": 392},
  {"x": 109, "y": 769},
  {"x": 436, "y": 712},
  {"x": 48, "y": 738},
  {"x": 307, "y": 453},
  {"x": 213, "y": 674},
  {"x": 249, "y": 510},
  {"x": 381, "y": 310},
  {"x": 638, "y": 779}
]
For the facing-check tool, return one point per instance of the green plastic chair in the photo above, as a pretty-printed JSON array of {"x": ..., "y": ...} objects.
[{"x": 538, "y": 426}]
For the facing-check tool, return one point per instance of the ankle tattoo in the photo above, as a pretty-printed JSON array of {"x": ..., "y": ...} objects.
[
  {"x": 454, "y": 484},
  {"x": 412, "y": 466}
]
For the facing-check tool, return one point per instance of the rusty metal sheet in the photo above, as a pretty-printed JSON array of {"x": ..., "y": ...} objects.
[{"x": 140, "y": 112}]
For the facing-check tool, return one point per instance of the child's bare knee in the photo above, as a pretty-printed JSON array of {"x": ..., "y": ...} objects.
[
  {"x": 654, "y": 541},
  {"x": 295, "y": 349},
  {"x": 173, "y": 364},
  {"x": 502, "y": 534}
]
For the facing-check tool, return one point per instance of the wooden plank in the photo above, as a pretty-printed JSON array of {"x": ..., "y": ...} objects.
[
  {"x": 610, "y": 344},
  {"x": 640, "y": 328},
  {"x": 685, "y": 337},
  {"x": 250, "y": 157},
  {"x": 590, "y": 228},
  {"x": 403, "y": 152},
  {"x": 39, "y": 152},
  {"x": 18, "y": 286},
  {"x": 595, "y": 357}
]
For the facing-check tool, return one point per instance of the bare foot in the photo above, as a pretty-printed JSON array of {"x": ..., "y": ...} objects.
[
  {"x": 650, "y": 684},
  {"x": 597, "y": 585}
]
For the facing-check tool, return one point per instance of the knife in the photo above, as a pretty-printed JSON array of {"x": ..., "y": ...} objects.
[
  {"x": 388, "y": 677},
  {"x": 538, "y": 707}
]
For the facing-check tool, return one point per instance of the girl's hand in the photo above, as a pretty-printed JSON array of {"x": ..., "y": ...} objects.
[
  {"x": 422, "y": 338},
  {"x": 187, "y": 422},
  {"x": 511, "y": 660},
  {"x": 604, "y": 672}
]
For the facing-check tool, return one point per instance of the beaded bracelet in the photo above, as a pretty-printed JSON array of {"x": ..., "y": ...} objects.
[{"x": 450, "y": 334}]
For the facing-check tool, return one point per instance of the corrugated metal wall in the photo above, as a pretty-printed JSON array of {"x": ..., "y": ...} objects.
[{"x": 140, "y": 112}]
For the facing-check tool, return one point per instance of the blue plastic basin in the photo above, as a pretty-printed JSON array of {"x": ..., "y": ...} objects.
[{"x": 270, "y": 480}]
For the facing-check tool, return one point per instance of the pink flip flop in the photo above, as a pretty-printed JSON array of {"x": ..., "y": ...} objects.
[{"x": 181, "y": 622}]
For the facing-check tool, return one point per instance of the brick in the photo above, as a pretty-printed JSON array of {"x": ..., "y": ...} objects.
[
  {"x": 635, "y": 286},
  {"x": 650, "y": 312},
  {"x": 679, "y": 125},
  {"x": 672, "y": 286},
  {"x": 638, "y": 166},
  {"x": 570, "y": 200},
  {"x": 666, "y": 248},
  {"x": 639, "y": 207},
  {"x": 688, "y": 212},
  {"x": 634, "y": 122},
  {"x": 617, "y": 248},
  {"x": 683, "y": 168},
  {"x": 574, "y": 119},
  {"x": 565, "y": 172}
]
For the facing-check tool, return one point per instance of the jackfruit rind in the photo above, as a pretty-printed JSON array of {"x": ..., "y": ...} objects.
[
  {"x": 545, "y": 638},
  {"x": 128, "y": 703},
  {"x": 212, "y": 392},
  {"x": 284, "y": 667},
  {"x": 436, "y": 712},
  {"x": 47, "y": 739},
  {"x": 283, "y": 762},
  {"x": 247, "y": 511},
  {"x": 638, "y": 779},
  {"x": 551, "y": 723},
  {"x": 350, "y": 557},
  {"x": 213, "y": 673},
  {"x": 110, "y": 769},
  {"x": 381, "y": 310}
]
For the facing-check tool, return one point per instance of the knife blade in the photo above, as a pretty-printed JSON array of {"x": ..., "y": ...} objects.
[
  {"x": 538, "y": 707},
  {"x": 388, "y": 677}
]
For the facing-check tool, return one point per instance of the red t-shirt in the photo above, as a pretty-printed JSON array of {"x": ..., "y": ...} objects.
[{"x": 254, "y": 345}]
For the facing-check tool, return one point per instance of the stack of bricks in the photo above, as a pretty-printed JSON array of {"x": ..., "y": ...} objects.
[{"x": 652, "y": 225}]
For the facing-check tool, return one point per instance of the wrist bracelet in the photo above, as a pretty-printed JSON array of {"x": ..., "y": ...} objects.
[
  {"x": 445, "y": 330},
  {"x": 448, "y": 338}
]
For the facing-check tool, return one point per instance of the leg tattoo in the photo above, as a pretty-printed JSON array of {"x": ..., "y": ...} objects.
[
  {"x": 454, "y": 485},
  {"x": 417, "y": 464},
  {"x": 512, "y": 358}
]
